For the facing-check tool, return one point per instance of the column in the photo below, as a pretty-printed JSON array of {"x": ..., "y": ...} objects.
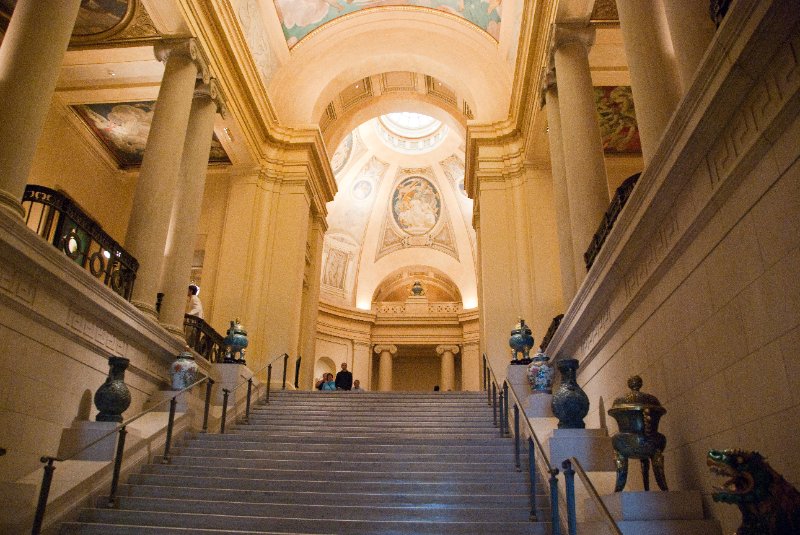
[
  {"x": 448, "y": 373},
  {"x": 362, "y": 363},
  {"x": 32, "y": 52},
  {"x": 385, "y": 366},
  {"x": 550, "y": 99},
  {"x": 311, "y": 284},
  {"x": 587, "y": 186},
  {"x": 188, "y": 204},
  {"x": 651, "y": 60},
  {"x": 471, "y": 367},
  {"x": 691, "y": 31},
  {"x": 155, "y": 189}
]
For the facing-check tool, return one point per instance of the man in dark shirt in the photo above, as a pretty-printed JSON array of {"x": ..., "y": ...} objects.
[{"x": 344, "y": 379}]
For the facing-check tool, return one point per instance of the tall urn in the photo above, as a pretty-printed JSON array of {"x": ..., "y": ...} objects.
[
  {"x": 570, "y": 403},
  {"x": 113, "y": 396}
]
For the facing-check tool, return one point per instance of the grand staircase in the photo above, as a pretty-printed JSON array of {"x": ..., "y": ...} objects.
[{"x": 335, "y": 463}]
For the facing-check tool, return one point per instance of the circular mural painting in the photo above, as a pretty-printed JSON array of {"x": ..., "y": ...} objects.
[
  {"x": 342, "y": 154},
  {"x": 362, "y": 189},
  {"x": 416, "y": 205}
]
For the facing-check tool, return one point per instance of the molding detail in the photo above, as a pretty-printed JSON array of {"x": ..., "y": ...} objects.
[
  {"x": 96, "y": 332},
  {"x": 17, "y": 285}
]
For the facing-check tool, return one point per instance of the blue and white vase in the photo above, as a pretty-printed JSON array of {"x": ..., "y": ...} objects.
[
  {"x": 183, "y": 370},
  {"x": 540, "y": 373}
]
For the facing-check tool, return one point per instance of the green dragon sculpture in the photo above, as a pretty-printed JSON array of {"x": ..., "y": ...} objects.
[{"x": 768, "y": 503}]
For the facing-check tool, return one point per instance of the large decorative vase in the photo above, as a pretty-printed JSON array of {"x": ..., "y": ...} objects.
[
  {"x": 570, "y": 403},
  {"x": 113, "y": 397},
  {"x": 637, "y": 415},
  {"x": 521, "y": 341},
  {"x": 183, "y": 370},
  {"x": 235, "y": 343},
  {"x": 540, "y": 374},
  {"x": 417, "y": 289}
]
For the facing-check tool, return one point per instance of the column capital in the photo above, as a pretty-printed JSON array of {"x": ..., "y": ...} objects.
[
  {"x": 184, "y": 47},
  {"x": 566, "y": 33},
  {"x": 454, "y": 349},
  {"x": 548, "y": 83},
  {"x": 212, "y": 91},
  {"x": 389, "y": 348}
]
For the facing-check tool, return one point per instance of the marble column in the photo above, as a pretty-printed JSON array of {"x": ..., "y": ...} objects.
[
  {"x": 310, "y": 302},
  {"x": 447, "y": 377},
  {"x": 691, "y": 31},
  {"x": 30, "y": 57},
  {"x": 362, "y": 363},
  {"x": 565, "y": 250},
  {"x": 155, "y": 189},
  {"x": 584, "y": 164},
  {"x": 651, "y": 60},
  {"x": 188, "y": 204},
  {"x": 386, "y": 352}
]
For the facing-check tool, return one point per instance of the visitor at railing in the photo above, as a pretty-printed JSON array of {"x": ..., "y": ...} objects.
[
  {"x": 193, "y": 305},
  {"x": 201, "y": 337},
  {"x": 326, "y": 383},
  {"x": 610, "y": 217},
  {"x": 56, "y": 218}
]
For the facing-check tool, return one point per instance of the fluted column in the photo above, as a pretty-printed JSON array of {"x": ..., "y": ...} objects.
[
  {"x": 691, "y": 31},
  {"x": 550, "y": 100},
  {"x": 30, "y": 57},
  {"x": 651, "y": 60},
  {"x": 385, "y": 366},
  {"x": 587, "y": 186},
  {"x": 448, "y": 372},
  {"x": 188, "y": 203},
  {"x": 155, "y": 189}
]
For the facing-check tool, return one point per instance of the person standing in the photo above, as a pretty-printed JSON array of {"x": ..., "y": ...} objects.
[
  {"x": 344, "y": 379},
  {"x": 193, "y": 305}
]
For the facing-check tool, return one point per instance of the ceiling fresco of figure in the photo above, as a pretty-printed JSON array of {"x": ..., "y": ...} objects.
[
  {"x": 122, "y": 127},
  {"x": 94, "y": 16},
  {"x": 617, "y": 119},
  {"x": 301, "y": 17}
]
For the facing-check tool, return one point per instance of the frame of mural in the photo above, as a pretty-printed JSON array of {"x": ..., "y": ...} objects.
[
  {"x": 123, "y": 128},
  {"x": 301, "y": 17},
  {"x": 617, "y": 118},
  {"x": 97, "y": 19}
]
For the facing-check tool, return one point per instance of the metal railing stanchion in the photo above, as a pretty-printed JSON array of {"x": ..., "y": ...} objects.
[
  {"x": 207, "y": 405},
  {"x": 516, "y": 438},
  {"x": 532, "y": 477},
  {"x": 502, "y": 414},
  {"x": 554, "y": 516},
  {"x": 494, "y": 404},
  {"x": 225, "y": 393},
  {"x": 44, "y": 492},
  {"x": 569, "y": 485},
  {"x": 269, "y": 381},
  {"x": 112, "y": 495},
  {"x": 505, "y": 412},
  {"x": 165, "y": 459},
  {"x": 297, "y": 372},
  {"x": 285, "y": 362},
  {"x": 247, "y": 405}
]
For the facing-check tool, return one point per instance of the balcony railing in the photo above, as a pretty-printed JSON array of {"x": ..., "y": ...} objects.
[
  {"x": 56, "y": 218},
  {"x": 201, "y": 337},
  {"x": 610, "y": 217}
]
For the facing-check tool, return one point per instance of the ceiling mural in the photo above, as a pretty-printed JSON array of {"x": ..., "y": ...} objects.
[
  {"x": 342, "y": 154},
  {"x": 123, "y": 127},
  {"x": 618, "y": 128},
  {"x": 349, "y": 212},
  {"x": 252, "y": 24},
  {"x": 416, "y": 205},
  {"x": 94, "y": 16},
  {"x": 301, "y": 17}
]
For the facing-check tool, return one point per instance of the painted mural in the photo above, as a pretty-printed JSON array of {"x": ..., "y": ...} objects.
[
  {"x": 416, "y": 205},
  {"x": 617, "y": 118},
  {"x": 94, "y": 16},
  {"x": 301, "y": 17},
  {"x": 252, "y": 24},
  {"x": 335, "y": 272},
  {"x": 342, "y": 154},
  {"x": 123, "y": 128}
]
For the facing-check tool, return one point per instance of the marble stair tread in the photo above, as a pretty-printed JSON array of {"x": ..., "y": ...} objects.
[
  {"x": 487, "y": 440},
  {"x": 251, "y": 450},
  {"x": 338, "y": 511},
  {"x": 669, "y": 527},
  {"x": 234, "y": 523}
]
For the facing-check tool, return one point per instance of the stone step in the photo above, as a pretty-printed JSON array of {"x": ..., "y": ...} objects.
[
  {"x": 378, "y": 453},
  {"x": 367, "y": 434},
  {"x": 239, "y": 435},
  {"x": 309, "y": 420},
  {"x": 234, "y": 523},
  {"x": 348, "y": 474},
  {"x": 360, "y": 485},
  {"x": 339, "y": 511}
]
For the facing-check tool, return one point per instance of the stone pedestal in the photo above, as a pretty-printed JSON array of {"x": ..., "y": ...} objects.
[
  {"x": 417, "y": 305},
  {"x": 540, "y": 405},
  {"x": 231, "y": 375},
  {"x": 161, "y": 395},
  {"x": 592, "y": 447},
  {"x": 84, "y": 432},
  {"x": 535, "y": 404},
  {"x": 656, "y": 513}
]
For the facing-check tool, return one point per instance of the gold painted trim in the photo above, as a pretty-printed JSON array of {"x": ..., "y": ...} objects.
[{"x": 114, "y": 30}]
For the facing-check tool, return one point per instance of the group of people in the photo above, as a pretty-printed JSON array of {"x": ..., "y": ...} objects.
[{"x": 343, "y": 381}]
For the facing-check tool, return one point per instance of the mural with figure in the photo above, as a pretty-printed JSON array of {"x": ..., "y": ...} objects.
[
  {"x": 94, "y": 16},
  {"x": 301, "y": 17},
  {"x": 123, "y": 128},
  {"x": 416, "y": 205},
  {"x": 617, "y": 119}
]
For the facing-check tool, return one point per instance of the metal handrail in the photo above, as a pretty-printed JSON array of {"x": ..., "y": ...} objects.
[
  {"x": 601, "y": 507},
  {"x": 120, "y": 429}
]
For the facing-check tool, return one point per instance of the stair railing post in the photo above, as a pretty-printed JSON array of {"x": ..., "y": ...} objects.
[
  {"x": 209, "y": 384},
  {"x": 494, "y": 404},
  {"x": 516, "y": 438},
  {"x": 165, "y": 459},
  {"x": 285, "y": 362},
  {"x": 297, "y": 372},
  {"x": 502, "y": 414},
  {"x": 225, "y": 393},
  {"x": 569, "y": 483},
  {"x": 505, "y": 412},
  {"x": 269, "y": 381},
  {"x": 532, "y": 477},
  {"x": 44, "y": 493},
  {"x": 112, "y": 495},
  {"x": 247, "y": 405},
  {"x": 554, "y": 516}
]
